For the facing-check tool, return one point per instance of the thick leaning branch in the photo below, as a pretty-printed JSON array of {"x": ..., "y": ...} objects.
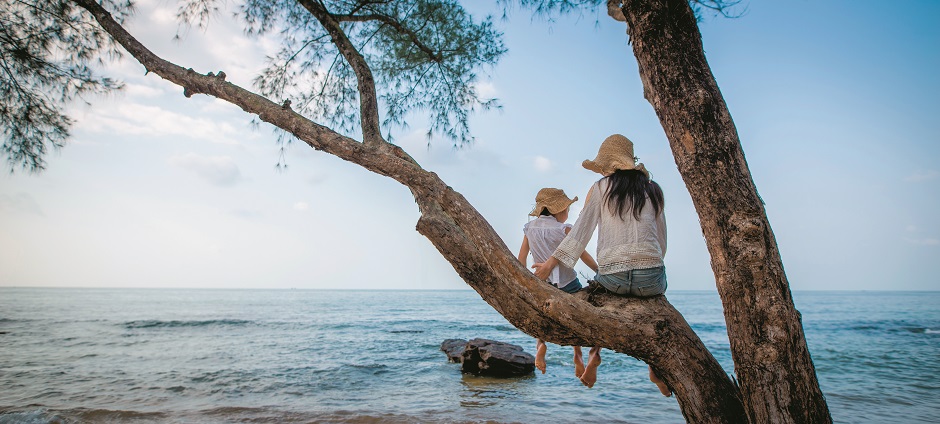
[{"x": 648, "y": 329}]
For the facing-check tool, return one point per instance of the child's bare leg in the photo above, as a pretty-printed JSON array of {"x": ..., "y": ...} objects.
[
  {"x": 590, "y": 371},
  {"x": 540, "y": 349},
  {"x": 660, "y": 383},
  {"x": 578, "y": 362}
]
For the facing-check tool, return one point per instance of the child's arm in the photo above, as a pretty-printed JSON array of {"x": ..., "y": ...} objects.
[
  {"x": 588, "y": 260},
  {"x": 585, "y": 256},
  {"x": 524, "y": 251}
]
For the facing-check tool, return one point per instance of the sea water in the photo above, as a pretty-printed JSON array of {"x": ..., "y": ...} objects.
[{"x": 206, "y": 356}]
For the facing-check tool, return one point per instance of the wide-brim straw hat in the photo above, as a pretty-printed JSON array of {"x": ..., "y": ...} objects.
[
  {"x": 553, "y": 199},
  {"x": 615, "y": 154}
]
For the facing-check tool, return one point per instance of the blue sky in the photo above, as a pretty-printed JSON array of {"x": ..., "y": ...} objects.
[{"x": 836, "y": 104}]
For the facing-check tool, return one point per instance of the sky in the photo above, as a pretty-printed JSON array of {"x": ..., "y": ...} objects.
[{"x": 836, "y": 104}]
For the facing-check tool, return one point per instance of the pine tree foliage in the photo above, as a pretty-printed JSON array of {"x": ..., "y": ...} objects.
[
  {"x": 425, "y": 56},
  {"x": 47, "y": 53}
]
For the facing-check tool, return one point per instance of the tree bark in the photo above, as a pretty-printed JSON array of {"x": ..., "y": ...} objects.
[
  {"x": 648, "y": 329},
  {"x": 774, "y": 368}
]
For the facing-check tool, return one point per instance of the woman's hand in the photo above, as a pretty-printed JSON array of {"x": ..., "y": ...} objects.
[{"x": 543, "y": 269}]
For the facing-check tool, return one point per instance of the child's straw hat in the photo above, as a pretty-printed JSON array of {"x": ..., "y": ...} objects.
[
  {"x": 615, "y": 154},
  {"x": 552, "y": 198}
]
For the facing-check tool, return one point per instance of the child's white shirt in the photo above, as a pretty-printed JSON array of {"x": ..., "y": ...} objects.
[{"x": 545, "y": 233}]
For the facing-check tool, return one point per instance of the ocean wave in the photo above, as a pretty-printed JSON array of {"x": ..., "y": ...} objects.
[
  {"x": 865, "y": 327},
  {"x": 176, "y": 324},
  {"x": 40, "y": 416},
  {"x": 108, "y": 415},
  {"x": 414, "y": 322},
  {"x": 226, "y": 414},
  {"x": 78, "y": 415},
  {"x": 497, "y": 327},
  {"x": 248, "y": 414},
  {"x": 225, "y": 376},
  {"x": 709, "y": 327},
  {"x": 874, "y": 326},
  {"x": 921, "y": 330}
]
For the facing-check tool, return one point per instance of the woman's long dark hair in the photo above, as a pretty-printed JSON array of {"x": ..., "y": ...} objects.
[{"x": 627, "y": 190}]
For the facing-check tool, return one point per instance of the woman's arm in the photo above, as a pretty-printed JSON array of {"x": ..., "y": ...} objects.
[
  {"x": 661, "y": 220},
  {"x": 574, "y": 243},
  {"x": 585, "y": 256},
  {"x": 661, "y": 231},
  {"x": 542, "y": 270}
]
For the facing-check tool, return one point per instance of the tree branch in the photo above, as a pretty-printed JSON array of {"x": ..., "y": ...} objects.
[
  {"x": 388, "y": 20},
  {"x": 368, "y": 99}
]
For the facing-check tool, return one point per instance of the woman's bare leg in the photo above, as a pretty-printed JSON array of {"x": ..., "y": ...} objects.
[
  {"x": 540, "y": 349},
  {"x": 660, "y": 383},
  {"x": 578, "y": 362},
  {"x": 590, "y": 371}
]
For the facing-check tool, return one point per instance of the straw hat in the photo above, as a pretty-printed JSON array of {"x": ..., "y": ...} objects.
[
  {"x": 615, "y": 154},
  {"x": 552, "y": 198}
]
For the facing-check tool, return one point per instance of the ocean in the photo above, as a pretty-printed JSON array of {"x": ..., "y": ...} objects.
[{"x": 291, "y": 356}]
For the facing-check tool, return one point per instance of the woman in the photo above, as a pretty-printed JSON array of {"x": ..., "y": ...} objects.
[{"x": 626, "y": 207}]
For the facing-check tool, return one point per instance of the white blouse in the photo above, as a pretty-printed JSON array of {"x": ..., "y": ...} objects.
[{"x": 622, "y": 244}]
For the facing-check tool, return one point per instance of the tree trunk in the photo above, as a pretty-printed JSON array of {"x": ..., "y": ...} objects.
[
  {"x": 776, "y": 374},
  {"x": 648, "y": 329}
]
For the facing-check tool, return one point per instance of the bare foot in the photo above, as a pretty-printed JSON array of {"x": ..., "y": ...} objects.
[
  {"x": 664, "y": 390},
  {"x": 540, "y": 349},
  {"x": 589, "y": 377},
  {"x": 660, "y": 384},
  {"x": 578, "y": 362}
]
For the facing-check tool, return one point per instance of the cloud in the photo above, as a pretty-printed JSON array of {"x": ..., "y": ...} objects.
[
  {"x": 217, "y": 170},
  {"x": 162, "y": 16},
  {"x": 486, "y": 90},
  {"x": 440, "y": 153},
  {"x": 248, "y": 214},
  {"x": 142, "y": 120},
  {"x": 143, "y": 91},
  {"x": 20, "y": 202},
  {"x": 924, "y": 241},
  {"x": 221, "y": 45},
  {"x": 317, "y": 179},
  {"x": 542, "y": 163},
  {"x": 301, "y": 206},
  {"x": 923, "y": 176}
]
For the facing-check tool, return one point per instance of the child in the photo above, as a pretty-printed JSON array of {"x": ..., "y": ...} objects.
[{"x": 542, "y": 237}]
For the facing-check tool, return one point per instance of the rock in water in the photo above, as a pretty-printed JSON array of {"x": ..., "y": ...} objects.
[
  {"x": 496, "y": 359},
  {"x": 453, "y": 348}
]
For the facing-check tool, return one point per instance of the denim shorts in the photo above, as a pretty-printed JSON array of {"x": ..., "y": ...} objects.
[
  {"x": 573, "y": 287},
  {"x": 645, "y": 282}
]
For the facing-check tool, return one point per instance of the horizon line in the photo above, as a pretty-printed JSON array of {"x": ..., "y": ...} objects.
[{"x": 409, "y": 289}]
